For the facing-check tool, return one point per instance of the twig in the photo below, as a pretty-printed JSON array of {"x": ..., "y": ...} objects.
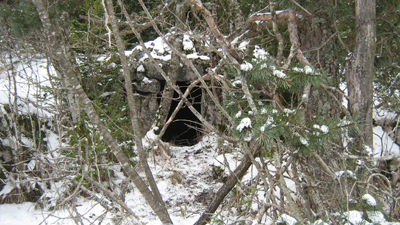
[
  {"x": 112, "y": 196},
  {"x": 278, "y": 34},
  {"x": 323, "y": 44},
  {"x": 301, "y": 7},
  {"x": 198, "y": 6},
  {"x": 340, "y": 38},
  {"x": 323, "y": 164},
  {"x": 106, "y": 23}
]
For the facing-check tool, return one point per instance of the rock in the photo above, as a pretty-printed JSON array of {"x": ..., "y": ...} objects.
[{"x": 148, "y": 86}]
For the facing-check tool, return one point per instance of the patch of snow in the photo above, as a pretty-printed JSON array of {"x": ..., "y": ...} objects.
[
  {"x": 103, "y": 58},
  {"x": 263, "y": 66},
  {"x": 178, "y": 220},
  {"x": 227, "y": 161},
  {"x": 369, "y": 199},
  {"x": 187, "y": 43},
  {"x": 237, "y": 83},
  {"x": 248, "y": 137},
  {"x": 376, "y": 217},
  {"x": 243, "y": 45},
  {"x": 288, "y": 111},
  {"x": 238, "y": 114},
  {"x": 146, "y": 80},
  {"x": 323, "y": 128},
  {"x": 231, "y": 103},
  {"x": 159, "y": 50},
  {"x": 287, "y": 220},
  {"x": 246, "y": 66},
  {"x": 31, "y": 76},
  {"x": 245, "y": 122},
  {"x": 196, "y": 55},
  {"x": 320, "y": 222},
  {"x": 349, "y": 173},
  {"x": 263, "y": 111},
  {"x": 55, "y": 192},
  {"x": 279, "y": 73},
  {"x": 112, "y": 65},
  {"x": 260, "y": 53},
  {"x": 158, "y": 45},
  {"x": 383, "y": 114},
  {"x": 31, "y": 165},
  {"x": 262, "y": 128},
  {"x": 149, "y": 138},
  {"x": 304, "y": 97},
  {"x": 141, "y": 68},
  {"x": 303, "y": 141},
  {"x": 354, "y": 217},
  {"x": 308, "y": 70},
  {"x": 53, "y": 141},
  {"x": 7, "y": 189},
  {"x": 269, "y": 122},
  {"x": 25, "y": 213},
  {"x": 383, "y": 144},
  {"x": 105, "y": 94},
  {"x": 343, "y": 88}
]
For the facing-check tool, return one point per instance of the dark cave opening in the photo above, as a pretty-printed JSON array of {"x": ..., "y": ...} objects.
[{"x": 185, "y": 128}]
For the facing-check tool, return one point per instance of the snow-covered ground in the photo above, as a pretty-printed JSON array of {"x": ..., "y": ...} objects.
[
  {"x": 184, "y": 181},
  {"x": 184, "y": 176},
  {"x": 31, "y": 76}
]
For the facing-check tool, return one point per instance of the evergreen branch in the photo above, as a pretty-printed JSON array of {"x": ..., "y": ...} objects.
[
  {"x": 112, "y": 121},
  {"x": 314, "y": 75}
]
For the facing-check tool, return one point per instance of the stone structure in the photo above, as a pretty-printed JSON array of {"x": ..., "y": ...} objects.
[{"x": 149, "y": 84}]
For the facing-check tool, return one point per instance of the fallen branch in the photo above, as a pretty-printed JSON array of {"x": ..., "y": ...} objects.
[{"x": 227, "y": 187}]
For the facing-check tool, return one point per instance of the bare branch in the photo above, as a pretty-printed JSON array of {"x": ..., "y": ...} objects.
[
  {"x": 134, "y": 115},
  {"x": 198, "y": 6}
]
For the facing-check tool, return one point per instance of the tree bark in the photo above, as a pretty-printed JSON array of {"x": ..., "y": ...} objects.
[
  {"x": 360, "y": 70},
  {"x": 133, "y": 108},
  {"x": 318, "y": 43}
]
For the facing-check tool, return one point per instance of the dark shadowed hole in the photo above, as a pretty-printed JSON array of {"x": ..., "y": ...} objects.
[{"x": 184, "y": 130}]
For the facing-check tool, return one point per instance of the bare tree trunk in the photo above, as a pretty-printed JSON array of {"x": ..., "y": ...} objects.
[
  {"x": 133, "y": 108},
  {"x": 72, "y": 99},
  {"x": 360, "y": 70},
  {"x": 168, "y": 92},
  {"x": 56, "y": 52}
]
